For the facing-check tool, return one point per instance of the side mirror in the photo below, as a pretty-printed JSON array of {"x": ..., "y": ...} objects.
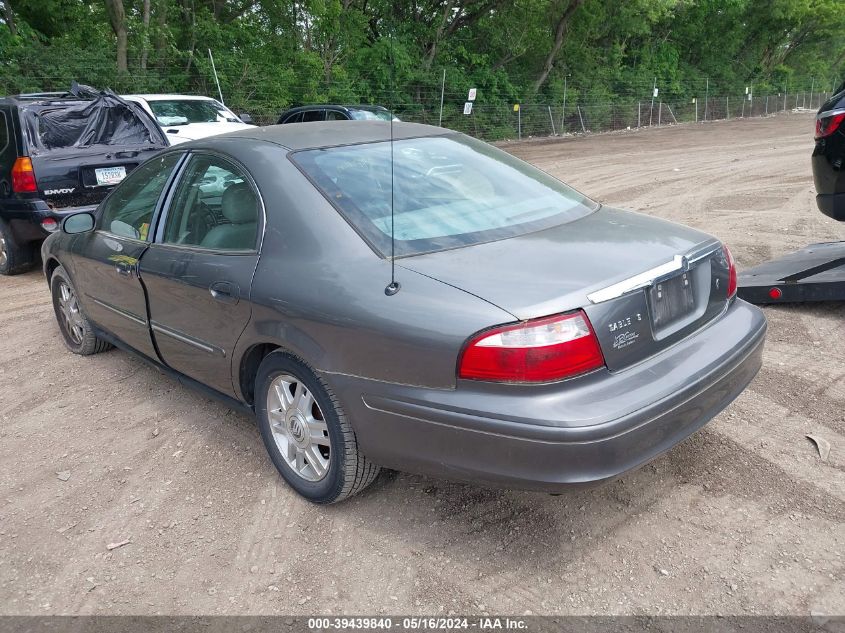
[
  {"x": 246, "y": 118},
  {"x": 78, "y": 223}
]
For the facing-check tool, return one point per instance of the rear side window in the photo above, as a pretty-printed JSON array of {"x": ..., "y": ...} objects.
[
  {"x": 128, "y": 211},
  {"x": 334, "y": 115},
  {"x": 448, "y": 191},
  {"x": 4, "y": 131},
  {"x": 214, "y": 207},
  {"x": 294, "y": 118}
]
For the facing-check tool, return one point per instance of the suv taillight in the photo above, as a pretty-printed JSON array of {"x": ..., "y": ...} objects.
[
  {"x": 731, "y": 271},
  {"x": 23, "y": 176},
  {"x": 540, "y": 350},
  {"x": 827, "y": 125}
]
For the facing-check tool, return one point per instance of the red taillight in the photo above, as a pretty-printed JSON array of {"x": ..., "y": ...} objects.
[
  {"x": 49, "y": 224},
  {"x": 23, "y": 176},
  {"x": 775, "y": 293},
  {"x": 541, "y": 350},
  {"x": 827, "y": 125},
  {"x": 731, "y": 271}
]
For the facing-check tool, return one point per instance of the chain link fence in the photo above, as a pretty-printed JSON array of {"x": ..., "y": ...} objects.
[{"x": 495, "y": 115}]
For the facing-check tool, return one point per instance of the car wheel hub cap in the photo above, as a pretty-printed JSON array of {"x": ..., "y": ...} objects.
[
  {"x": 71, "y": 317},
  {"x": 299, "y": 427}
]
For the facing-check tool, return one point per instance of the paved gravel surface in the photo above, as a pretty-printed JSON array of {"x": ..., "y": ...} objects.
[{"x": 742, "y": 518}]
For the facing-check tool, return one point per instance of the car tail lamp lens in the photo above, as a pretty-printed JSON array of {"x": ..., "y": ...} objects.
[
  {"x": 827, "y": 125},
  {"x": 49, "y": 224},
  {"x": 23, "y": 176},
  {"x": 540, "y": 350},
  {"x": 731, "y": 272}
]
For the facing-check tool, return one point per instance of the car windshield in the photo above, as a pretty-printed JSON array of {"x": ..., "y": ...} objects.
[
  {"x": 370, "y": 115},
  {"x": 448, "y": 192},
  {"x": 184, "y": 111}
]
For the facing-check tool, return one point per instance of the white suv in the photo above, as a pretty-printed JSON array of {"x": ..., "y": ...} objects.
[{"x": 187, "y": 117}]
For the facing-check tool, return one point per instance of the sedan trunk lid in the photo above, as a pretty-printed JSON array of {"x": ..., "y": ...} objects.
[{"x": 598, "y": 263}]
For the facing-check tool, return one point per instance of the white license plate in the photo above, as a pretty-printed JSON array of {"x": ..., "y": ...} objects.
[{"x": 110, "y": 175}]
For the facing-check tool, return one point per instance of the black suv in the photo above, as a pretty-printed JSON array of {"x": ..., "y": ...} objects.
[
  {"x": 829, "y": 156},
  {"x": 61, "y": 153},
  {"x": 306, "y": 114}
]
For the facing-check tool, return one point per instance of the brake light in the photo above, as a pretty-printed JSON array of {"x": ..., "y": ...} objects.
[
  {"x": 540, "y": 350},
  {"x": 827, "y": 125},
  {"x": 23, "y": 176},
  {"x": 731, "y": 271}
]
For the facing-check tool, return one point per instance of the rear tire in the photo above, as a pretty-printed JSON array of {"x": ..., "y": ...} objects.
[
  {"x": 15, "y": 258},
  {"x": 77, "y": 331},
  {"x": 306, "y": 432}
]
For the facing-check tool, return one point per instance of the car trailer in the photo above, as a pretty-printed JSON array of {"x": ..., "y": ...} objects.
[{"x": 815, "y": 273}]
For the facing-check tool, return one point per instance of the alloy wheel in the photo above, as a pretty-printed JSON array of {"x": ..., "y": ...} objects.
[
  {"x": 69, "y": 307},
  {"x": 299, "y": 427},
  {"x": 4, "y": 255}
]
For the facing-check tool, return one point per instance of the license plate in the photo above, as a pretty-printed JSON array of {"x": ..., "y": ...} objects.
[
  {"x": 671, "y": 300},
  {"x": 109, "y": 175}
]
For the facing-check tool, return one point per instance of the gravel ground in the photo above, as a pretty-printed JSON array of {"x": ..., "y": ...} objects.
[{"x": 743, "y": 518}]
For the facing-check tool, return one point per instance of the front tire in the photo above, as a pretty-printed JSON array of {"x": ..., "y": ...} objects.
[
  {"x": 77, "y": 331},
  {"x": 306, "y": 433},
  {"x": 15, "y": 258}
]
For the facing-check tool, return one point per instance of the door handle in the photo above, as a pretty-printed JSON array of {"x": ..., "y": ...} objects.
[
  {"x": 124, "y": 269},
  {"x": 225, "y": 292}
]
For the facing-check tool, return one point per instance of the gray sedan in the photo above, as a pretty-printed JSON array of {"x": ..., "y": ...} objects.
[{"x": 427, "y": 303}]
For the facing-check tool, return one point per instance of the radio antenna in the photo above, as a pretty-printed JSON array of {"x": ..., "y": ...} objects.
[{"x": 393, "y": 287}]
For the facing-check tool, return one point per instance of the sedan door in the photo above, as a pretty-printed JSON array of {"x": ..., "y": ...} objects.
[
  {"x": 198, "y": 272},
  {"x": 106, "y": 259}
]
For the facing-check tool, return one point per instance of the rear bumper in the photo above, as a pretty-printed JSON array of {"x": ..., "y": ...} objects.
[
  {"x": 24, "y": 217},
  {"x": 552, "y": 437},
  {"x": 832, "y": 205}
]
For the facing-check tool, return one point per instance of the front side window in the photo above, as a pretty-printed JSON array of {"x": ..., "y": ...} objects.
[
  {"x": 334, "y": 115},
  {"x": 128, "y": 211},
  {"x": 183, "y": 111},
  {"x": 447, "y": 192},
  {"x": 214, "y": 207},
  {"x": 313, "y": 115}
]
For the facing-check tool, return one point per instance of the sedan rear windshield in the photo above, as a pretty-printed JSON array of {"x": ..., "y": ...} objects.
[{"x": 448, "y": 192}]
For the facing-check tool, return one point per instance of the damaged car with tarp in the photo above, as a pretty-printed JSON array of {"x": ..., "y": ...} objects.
[{"x": 60, "y": 153}]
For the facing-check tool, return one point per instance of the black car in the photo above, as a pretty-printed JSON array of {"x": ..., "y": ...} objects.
[
  {"x": 61, "y": 153},
  {"x": 309, "y": 113},
  {"x": 829, "y": 155}
]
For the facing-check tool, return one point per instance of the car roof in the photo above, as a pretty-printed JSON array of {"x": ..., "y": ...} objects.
[
  {"x": 329, "y": 133},
  {"x": 43, "y": 98},
  {"x": 163, "y": 97},
  {"x": 323, "y": 106}
]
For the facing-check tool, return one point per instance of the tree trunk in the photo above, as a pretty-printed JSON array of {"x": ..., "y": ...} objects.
[
  {"x": 560, "y": 36},
  {"x": 161, "y": 25},
  {"x": 145, "y": 42},
  {"x": 9, "y": 17},
  {"x": 117, "y": 17}
]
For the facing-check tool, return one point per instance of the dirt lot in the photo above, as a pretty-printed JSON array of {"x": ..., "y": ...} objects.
[{"x": 742, "y": 518}]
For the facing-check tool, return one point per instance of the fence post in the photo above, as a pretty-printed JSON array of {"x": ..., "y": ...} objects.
[
  {"x": 767, "y": 105},
  {"x": 727, "y": 108},
  {"x": 442, "y": 89},
  {"x": 551, "y": 119},
  {"x": 696, "y": 110},
  {"x": 659, "y": 112},
  {"x": 639, "y": 114},
  {"x": 583, "y": 129},
  {"x": 706, "y": 98},
  {"x": 742, "y": 116},
  {"x": 519, "y": 121}
]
